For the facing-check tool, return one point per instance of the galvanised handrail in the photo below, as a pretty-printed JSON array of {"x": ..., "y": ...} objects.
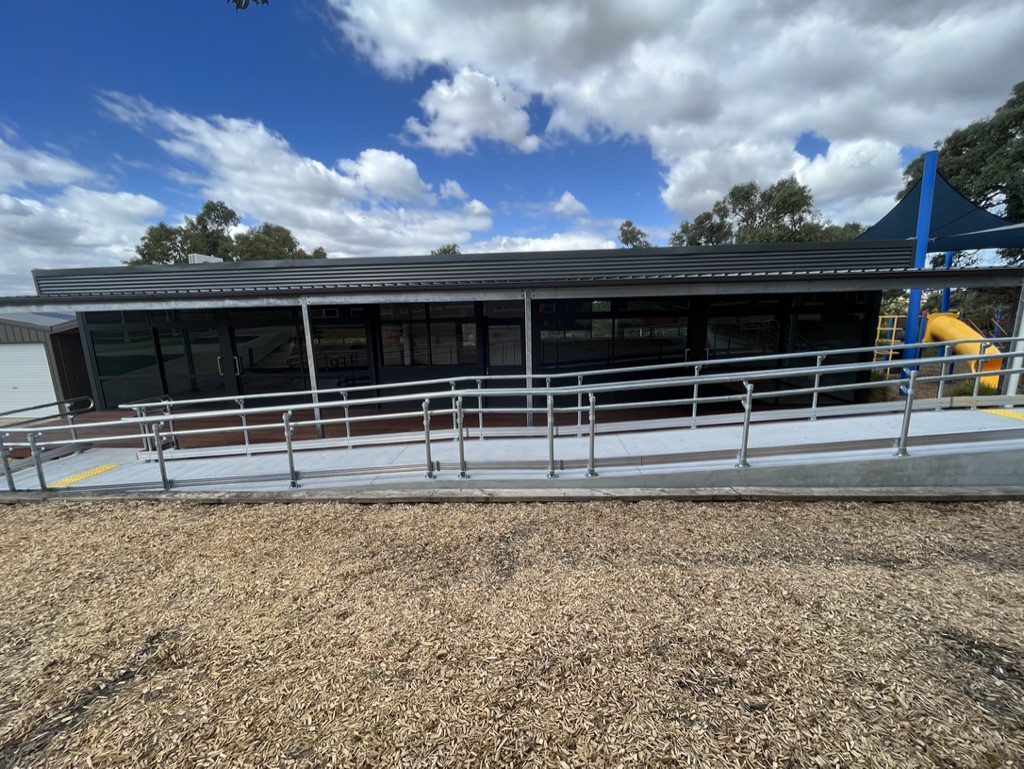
[
  {"x": 778, "y": 357},
  {"x": 710, "y": 379},
  {"x": 153, "y": 425}
]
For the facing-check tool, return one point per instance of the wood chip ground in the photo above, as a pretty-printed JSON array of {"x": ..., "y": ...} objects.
[{"x": 550, "y": 635}]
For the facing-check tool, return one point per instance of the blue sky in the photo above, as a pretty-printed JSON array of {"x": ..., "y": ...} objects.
[{"x": 388, "y": 128}]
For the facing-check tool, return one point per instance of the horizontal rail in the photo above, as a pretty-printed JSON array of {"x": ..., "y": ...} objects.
[{"x": 589, "y": 373}]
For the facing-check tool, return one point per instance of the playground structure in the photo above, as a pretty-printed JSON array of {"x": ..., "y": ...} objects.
[{"x": 947, "y": 326}]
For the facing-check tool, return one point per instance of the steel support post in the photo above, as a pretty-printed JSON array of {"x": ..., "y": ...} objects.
[
  {"x": 924, "y": 222},
  {"x": 579, "y": 407},
  {"x": 748, "y": 406},
  {"x": 426, "y": 437},
  {"x": 311, "y": 364},
  {"x": 528, "y": 357},
  {"x": 1012, "y": 381},
  {"x": 159, "y": 442},
  {"x": 817, "y": 384},
  {"x": 348, "y": 425},
  {"x": 245, "y": 423},
  {"x": 6, "y": 462},
  {"x": 293, "y": 477},
  {"x": 480, "y": 406},
  {"x": 693, "y": 415},
  {"x": 591, "y": 472},
  {"x": 37, "y": 458},
  {"x": 901, "y": 445},
  {"x": 455, "y": 421},
  {"x": 461, "y": 437},
  {"x": 944, "y": 371},
  {"x": 551, "y": 437}
]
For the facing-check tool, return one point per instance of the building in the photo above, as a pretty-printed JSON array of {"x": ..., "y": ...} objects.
[
  {"x": 204, "y": 330},
  {"x": 41, "y": 360}
]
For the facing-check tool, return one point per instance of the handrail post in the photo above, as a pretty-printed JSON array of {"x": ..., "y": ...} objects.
[
  {"x": 7, "y": 465},
  {"x": 901, "y": 445},
  {"x": 579, "y": 406},
  {"x": 348, "y": 424},
  {"x": 159, "y": 442},
  {"x": 70, "y": 417},
  {"x": 293, "y": 477},
  {"x": 32, "y": 438},
  {"x": 480, "y": 406},
  {"x": 140, "y": 412},
  {"x": 551, "y": 437},
  {"x": 591, "y": 472},
  {"x": 455, "y": 421},
  {"x": 245, "y": 423},
  {"x": 817, "y": 384},
  {"x": 748, "y": 403},
  {"x": 426, "y": 437},
  {"x": 978, "y": 370},
  {"x": 169, "y": 411},
  {"x": 693, "y": 415},
  {"x": 944, "y": 371},
  {"x": 462, "y": 438}
]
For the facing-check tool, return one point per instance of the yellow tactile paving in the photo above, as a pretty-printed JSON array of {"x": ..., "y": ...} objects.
[
  {"x": 71, "y": 480},
  {"x": 1008, "y": 413}
]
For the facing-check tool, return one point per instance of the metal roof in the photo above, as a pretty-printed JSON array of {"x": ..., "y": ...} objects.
[
  {"x": 45, "y": 321},
  {"x": 468, "y": 271}
]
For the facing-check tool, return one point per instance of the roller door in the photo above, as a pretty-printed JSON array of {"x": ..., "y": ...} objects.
[{"x": 25, "y": 379}]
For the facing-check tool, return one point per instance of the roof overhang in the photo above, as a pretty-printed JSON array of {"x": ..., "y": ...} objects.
[{"x": 692, "y": 285}]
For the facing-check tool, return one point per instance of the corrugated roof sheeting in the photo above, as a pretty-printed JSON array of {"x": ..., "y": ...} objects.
[{"x": 532, "y": 269}]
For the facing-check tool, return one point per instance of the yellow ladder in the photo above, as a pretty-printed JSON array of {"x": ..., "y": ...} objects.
[{"x": 889, "y": 332}]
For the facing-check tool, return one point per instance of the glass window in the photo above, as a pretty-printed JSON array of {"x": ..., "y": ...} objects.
[
  {"x": 133, "y": 316},
  {"x": 451, "y": 310},
  {"x": 505, "y": 345},
  {"x": 731, "y": 336},
  {"x": 403, "y": 312},
  {"x": 509, "y": 309},
  {"x": 405, "y": 344},
  {"x": 130, "y": 352}
]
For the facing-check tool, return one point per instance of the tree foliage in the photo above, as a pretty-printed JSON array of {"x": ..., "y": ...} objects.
[
  {"x": 448, "y": 249},
  {"x": 783, "y": 212},
  {"x": 210, "y": 233},
  {"x": 241, "y": 5},
  {"x": 632, "y": 236},
  {"x": 985, "y": 161}
]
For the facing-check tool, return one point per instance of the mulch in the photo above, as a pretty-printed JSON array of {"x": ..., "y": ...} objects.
[{"x": 640, "y": 634}]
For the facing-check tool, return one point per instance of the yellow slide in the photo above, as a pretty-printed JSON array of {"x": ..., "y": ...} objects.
[{"x": 946, "y": 325}]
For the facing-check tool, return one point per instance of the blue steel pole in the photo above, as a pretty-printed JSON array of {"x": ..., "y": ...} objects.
[
  {"x": 945, "y": 291},
  {"x": 924, "y": 223}
]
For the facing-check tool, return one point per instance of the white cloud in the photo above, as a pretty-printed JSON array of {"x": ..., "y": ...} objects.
[
  {"x": 560, "y": 241},
  {"x": 842, "y": 177},
  {"x": 469, "y": 107},
  {"x": 568, "y": 205},
  {"x": 718, "y": 91},
  {"x": 373, "y": 204},
  {"x": 19, "y": 168},
  {"x": 452, "y": 189},
  {"x": 74, "y": 228},
  {"x": 387, "y": 174}
]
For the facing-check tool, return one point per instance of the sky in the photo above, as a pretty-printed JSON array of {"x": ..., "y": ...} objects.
[{"x": 390, "y": 127}]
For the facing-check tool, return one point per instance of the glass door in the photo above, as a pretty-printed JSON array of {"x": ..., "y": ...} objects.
[
  {"x": 195, "y": 362},
  {"x": 268, "y": 350},
  {"x": 505, "y": 348}
]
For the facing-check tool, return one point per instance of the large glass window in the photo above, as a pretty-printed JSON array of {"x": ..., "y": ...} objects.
[
  {"x": 440, "y": 334},
  {"x": 736, "y": 336},
  {"x": 126, "y": 364},
  {"x": 603, "y": 332}
]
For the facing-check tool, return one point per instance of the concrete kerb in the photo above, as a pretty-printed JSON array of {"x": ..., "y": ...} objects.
[{"x": 373, "y": 496}]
